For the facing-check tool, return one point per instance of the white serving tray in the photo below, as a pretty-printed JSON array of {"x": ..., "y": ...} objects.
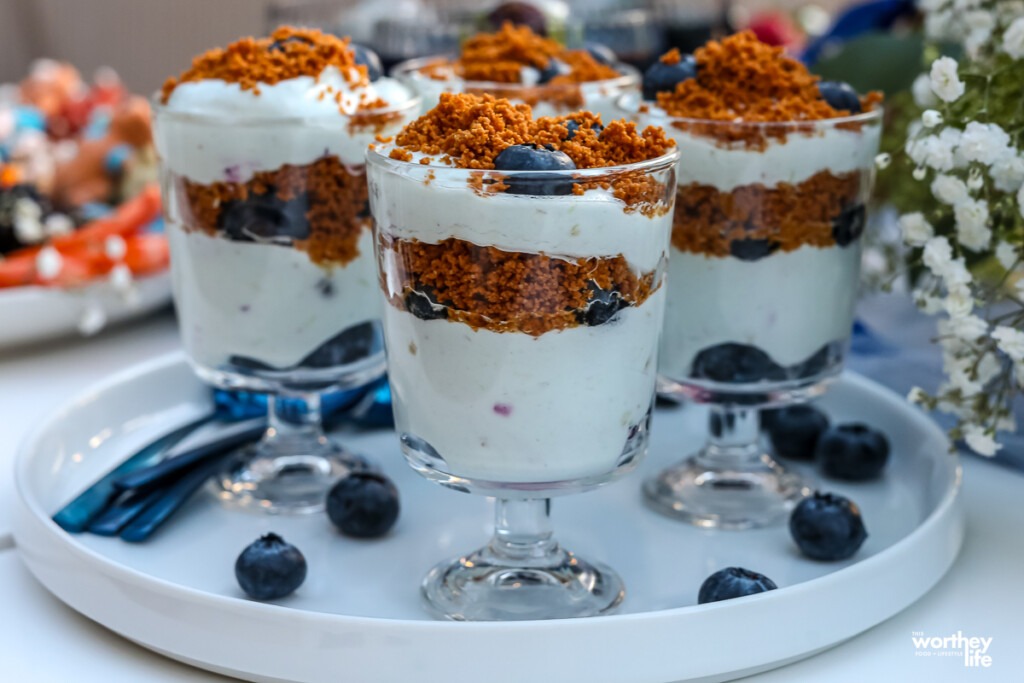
[
  {"x": 358, "y": 617},
  {"x": 32, "y": 314}
]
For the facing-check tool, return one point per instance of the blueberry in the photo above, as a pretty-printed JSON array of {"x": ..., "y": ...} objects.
[
  {"x": 423, "y": 306},
  {"x": 530, "y": 157},
  {"x": 827, "y": 526},
  {"x": 601, "y": 53},
  {"x": 550, "y": 71},
  {"x": 735, "y": 363},
  {"x": 369, "y": 59},
  {"x": 349, "y": 346},
  {"x": 363, "y": 505},
  {"x": 849, "y": 224},
  {"x": 840, "y": 96},
  {"x": 733, "y": 582},
  {"x": 824, "y": 358},
  {"x": 751, "y": 249},
  {"x": 573, "y": 125},
  {"x": 278, "y": 45},
  {"x": 852, "y": 452},
  {"x": 794, "y": 430},
  {"x": 602, "y": 307},
  {"x": 270, "y": 568},
  {"x": 265, "y": 216},
  {"x": 662, "y": 77},
  {"x": 521, "y": 14}
]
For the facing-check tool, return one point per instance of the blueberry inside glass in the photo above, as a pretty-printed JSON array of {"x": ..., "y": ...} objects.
[
  {"x": 774, "y": 178},
  {"x": 261, "y": 148}
]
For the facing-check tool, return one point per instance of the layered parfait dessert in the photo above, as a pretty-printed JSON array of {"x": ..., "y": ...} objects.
[
  {"x": 262, "y": 147},
  {"x": 517, "y": 64},
  {"x": 775, "y": 171},
  {"x": 523, "y": 262}
]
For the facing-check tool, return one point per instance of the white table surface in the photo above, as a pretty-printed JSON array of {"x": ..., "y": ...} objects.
[{"x": 42, "y": 640}]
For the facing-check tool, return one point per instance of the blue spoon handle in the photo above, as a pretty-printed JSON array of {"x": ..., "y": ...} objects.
[
  {"x": 76, "y": 515},
  {"x": 167, "y": 470},
  {"x": 168, "y": 501},
  {"x": 118, "y": 515}
]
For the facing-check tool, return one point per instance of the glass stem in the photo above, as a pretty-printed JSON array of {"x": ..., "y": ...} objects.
[
  {"x": 734, "y": 438},
  {"x": 288, "y": 421},
  {"x": 522, "y": 529}
]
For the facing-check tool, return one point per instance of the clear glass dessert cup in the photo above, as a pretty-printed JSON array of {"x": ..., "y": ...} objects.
[
  {"x": 522, "y": 330},
  {"x": 274, "y": 281},
  {"x": 762, "y": 283},
  {"x": 546, "y": 99}
]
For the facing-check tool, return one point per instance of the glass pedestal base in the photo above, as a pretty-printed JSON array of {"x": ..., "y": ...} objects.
[
  {"x": 286, "y": 476},
  {"x": 521, "y": 574},
  {"x": 723, "y": 496}
]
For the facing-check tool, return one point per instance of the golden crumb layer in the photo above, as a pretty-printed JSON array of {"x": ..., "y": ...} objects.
[
  {"x": 331, "y": 199},
  {"x": 287, "y": 53},
  {"x": 504, "y": 291},
  {"x": 470, "y": 131},
  {"x": 707, "y": 220}
]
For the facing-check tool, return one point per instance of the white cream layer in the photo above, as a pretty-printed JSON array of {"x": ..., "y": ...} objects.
[
  {"x": 789, "y": 304},
  {"x": 245, "y": 139},
  {"x": 510, "y": 407},
  {"x": 264, "y": 301},
  {"x": 800, "y": 156},
  {"x": 592, "y": 225}
]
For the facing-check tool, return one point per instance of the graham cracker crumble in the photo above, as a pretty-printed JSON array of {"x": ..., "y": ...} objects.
[
  {"x": 741, "y": 79},
  {"x": 707, "y": 220},
  {"x": 332, "y": 197},
  {"x": 288, "y": 53},
  {"x": 502, "y": 291}
]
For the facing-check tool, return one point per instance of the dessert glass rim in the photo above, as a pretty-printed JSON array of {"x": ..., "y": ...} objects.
[
  {"x": 629, "y": 75},
  {"x": 159, "y": 108},
  {"x": 376, "y": 156},
  {"x": 628, "y": 103}
]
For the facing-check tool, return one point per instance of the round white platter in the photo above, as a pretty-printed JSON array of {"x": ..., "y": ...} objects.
[
  {"x": 358, "y": 616},
  {"x": 32, "y": 314}
]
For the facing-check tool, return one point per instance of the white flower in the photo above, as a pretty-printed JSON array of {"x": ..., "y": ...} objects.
[
  {"x": 1009, "y": 10},
  {"x": 1010, "y": 341},
  {"x": 1013, "y": 39},
  {"x": 917, "y": 395},
  {"x": 930, "y": 305},
  {"x": 933, "y": 151},
  {"x": 937, "y": 254},
  {"x": 922, "y": 91},
  {"x": 931, "y": 5},
  {"x": 976, "y": 39},
  {"x": 971, "y": 224},
  {"x": 115, "y": 247},
  {"x": 959, "y": 303},
  {"x": 58, "y": 224},
  {"x": 949, "y": 189},
  {"x": 93, "y": 319},
  {"x": 944, "y": 80},
  {"x": 1008, "y": 173},
  {"x": 989, "y": 368},
  {"x": 883, "y": 160},
  {"x": 120, "y": 277},
  {"x": 916, "y": 230},
  {"x": 979, "y": 20},
  {"x": 968, "y": 327},
  {"x": 984, "y": 142},
  {"x": 959, "y": 372},
  {"x": 979, "y": 441},
  {"x": 939, "y": 25},
  {"x": 1006, "y": 254},
  {"x": 955, "y": 274},
  {"x": 931, "y": 118}
]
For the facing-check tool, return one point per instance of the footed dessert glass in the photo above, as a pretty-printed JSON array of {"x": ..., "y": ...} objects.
[
  {"x": 545, "y": 99},
  {"x": 763, "y": 278},
  {"x": 274, "y": 280},
  {"x": 521, "y": 322}
]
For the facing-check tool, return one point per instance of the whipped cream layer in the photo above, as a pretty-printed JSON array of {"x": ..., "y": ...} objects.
[
  {"x": 509, "y": 407},
  {"x": 707, "y": 161},
  {"x": 788, "y": 304},
  {"x": 242, "y": 137},
  {"x": 594, "y": 224},
  {"x": 269, "y": 303}
]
